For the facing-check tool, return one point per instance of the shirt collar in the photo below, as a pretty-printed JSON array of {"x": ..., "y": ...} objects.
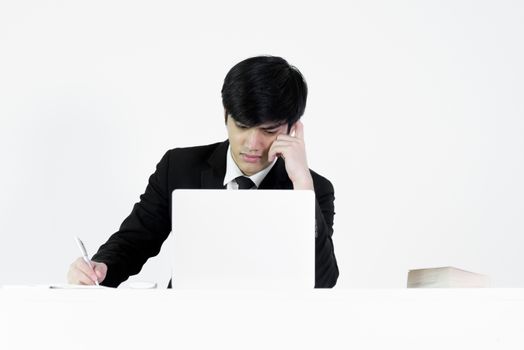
[{"x": 233, "y": 171}]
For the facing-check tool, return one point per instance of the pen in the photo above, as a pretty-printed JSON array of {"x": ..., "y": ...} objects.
[{"x": 86, "y": 258}]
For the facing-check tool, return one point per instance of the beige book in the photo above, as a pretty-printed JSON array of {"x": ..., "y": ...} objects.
[{"x": 446, "y": 277}]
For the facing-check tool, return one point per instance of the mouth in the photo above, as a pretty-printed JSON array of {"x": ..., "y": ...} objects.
[{"x": 250, "y": 158}]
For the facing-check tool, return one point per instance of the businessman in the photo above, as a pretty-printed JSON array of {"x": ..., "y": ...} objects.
[{"x": 264, "y": 98}]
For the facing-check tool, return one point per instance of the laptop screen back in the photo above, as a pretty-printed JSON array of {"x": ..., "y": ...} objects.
[{"x": 243, "y": 239}]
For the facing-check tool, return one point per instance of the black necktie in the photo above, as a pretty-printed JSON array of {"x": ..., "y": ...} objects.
[{"x": 244, "y": 183}]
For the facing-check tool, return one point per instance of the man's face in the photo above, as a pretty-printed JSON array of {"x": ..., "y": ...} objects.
[{"x": 250, "y": 145}]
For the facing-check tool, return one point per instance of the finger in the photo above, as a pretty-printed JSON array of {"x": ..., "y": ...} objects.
[
  {"x": 83, "y": 266},
  {"x": 100, "y": 276},
  {"x": 272, "y": 153},
  {"x": 100, "y": 270},
  {"x": 287, "y": 146},
  {"x": 299, "y": 130},
  {"x": 79, "y": 277},
  {"x": 85, "y": 280},
  {"x": 277, "y": 149},
  {"x": 288, "y": 138}
]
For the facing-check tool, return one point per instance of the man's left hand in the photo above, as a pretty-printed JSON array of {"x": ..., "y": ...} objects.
[{"x": 293, "y": 150}]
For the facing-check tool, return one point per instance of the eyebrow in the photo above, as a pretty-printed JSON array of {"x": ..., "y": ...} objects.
[{"x": 270, "y": 127}]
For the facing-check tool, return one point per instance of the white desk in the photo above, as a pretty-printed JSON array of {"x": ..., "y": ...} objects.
[{"x": 32, "y": 318}]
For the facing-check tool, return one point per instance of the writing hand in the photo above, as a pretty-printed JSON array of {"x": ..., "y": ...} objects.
[{"x": 81, "y": 273}]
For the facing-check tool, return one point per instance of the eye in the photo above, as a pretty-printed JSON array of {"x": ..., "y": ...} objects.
[
  {"x": 271, "y": 131},
  {"x": 241, "y": 126}
]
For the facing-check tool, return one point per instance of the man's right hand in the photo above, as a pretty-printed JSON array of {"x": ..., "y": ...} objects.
[{"x": 81, "y": 273}]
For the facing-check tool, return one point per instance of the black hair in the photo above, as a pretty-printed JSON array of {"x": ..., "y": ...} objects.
[{"x": 264, "y": 89}]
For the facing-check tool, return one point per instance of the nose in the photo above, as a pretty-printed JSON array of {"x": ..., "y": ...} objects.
[{"x": 254, "y": 140}]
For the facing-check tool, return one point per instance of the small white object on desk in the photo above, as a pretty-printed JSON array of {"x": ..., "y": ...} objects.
[{"x": 446, "y": 277}]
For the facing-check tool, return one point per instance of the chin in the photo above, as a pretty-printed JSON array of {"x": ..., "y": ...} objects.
[{"x": 249, "y": 169}]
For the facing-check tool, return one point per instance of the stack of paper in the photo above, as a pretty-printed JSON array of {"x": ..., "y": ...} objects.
[{"x": 446, "y": 277}]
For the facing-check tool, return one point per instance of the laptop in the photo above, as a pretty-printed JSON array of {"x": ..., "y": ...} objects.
[{"x": 244, "y": 239}]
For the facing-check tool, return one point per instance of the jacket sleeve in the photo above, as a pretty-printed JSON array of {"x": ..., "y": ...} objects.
[
  {"x": 326, "y": 268},
  {"x": 142, "y": 233}
]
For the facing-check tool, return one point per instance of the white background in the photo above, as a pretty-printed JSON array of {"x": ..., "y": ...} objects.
[{"x": 415, "y": 114}]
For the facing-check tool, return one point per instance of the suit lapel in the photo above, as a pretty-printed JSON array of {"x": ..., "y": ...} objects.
[{"x": 213, "y": 177}]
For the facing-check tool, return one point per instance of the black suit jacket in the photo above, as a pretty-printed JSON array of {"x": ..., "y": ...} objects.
[{"x": 142, "y": 233}]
